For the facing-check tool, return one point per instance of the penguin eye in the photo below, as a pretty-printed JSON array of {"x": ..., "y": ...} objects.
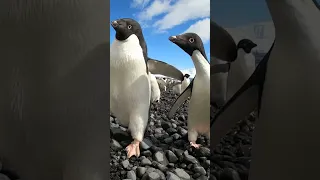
[
  {"x": 129, "y": 26},
  {"x": 191, "y": 40}
]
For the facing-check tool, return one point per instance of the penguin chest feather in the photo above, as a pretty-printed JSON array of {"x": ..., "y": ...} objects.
[
  {"x": 129, "y": 82},
  {"x": 199, "y": 108}
]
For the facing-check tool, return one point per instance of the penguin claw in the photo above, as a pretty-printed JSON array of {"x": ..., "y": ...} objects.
[
  {"x": 133, "y": 149},
  {"x": 195, "y": 145}
]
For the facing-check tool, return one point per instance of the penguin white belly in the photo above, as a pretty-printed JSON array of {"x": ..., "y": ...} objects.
[
  {"x": 155, "y": 91},
  {"x": 185, "y": 83},
  {"x": 199, "y": 108},
  {"x": 240, "y": 71},
  {"x": 177, "y": 89},
  {"x": 218, "y": 85},
  {"x": 129, "y": 86}
]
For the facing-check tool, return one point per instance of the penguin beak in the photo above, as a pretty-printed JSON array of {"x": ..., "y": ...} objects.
[
  {"x": 114, "y": 24},
  {"x": 173, "y": 39},
  {"x": 254, "y": 45}
]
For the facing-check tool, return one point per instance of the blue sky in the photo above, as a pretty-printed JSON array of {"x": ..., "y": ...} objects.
[
  {"x": 161, "y": 19},
  {"x": 233, "y": 13}
]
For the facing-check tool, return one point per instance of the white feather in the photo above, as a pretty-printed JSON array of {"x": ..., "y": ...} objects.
[{"x": 129, "y": 85}]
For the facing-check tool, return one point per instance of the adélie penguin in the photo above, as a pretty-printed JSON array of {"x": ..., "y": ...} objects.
[
  {"x": 130, "y": 87},
  {"x": 285, "y": 87},
  {"x": 179, "y": 87},
  {"x": 185, "y": 83},
  {"x": 199, "y": 88},
  {"x": 242, "y": 68},
  {"x": 162, "y": 84},
  {"x": 155, "y": 91}
]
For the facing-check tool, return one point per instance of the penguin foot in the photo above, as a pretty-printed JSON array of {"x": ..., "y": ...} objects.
[
  {"x": 133, "y": 149},
  {"x": 193, "y": 144}
]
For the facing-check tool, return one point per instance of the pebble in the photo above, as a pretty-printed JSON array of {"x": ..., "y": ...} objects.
[
  {"x": 125, "y": 164},
  {"x": 161, "y": 158},
  {"x": 171, "y": 176},
  {"x": 145, "y": 161},
  {"x": 182, "y": 174},
  {"x": 153, "y": 176},
  {"x": 115, "y": 145},
  {"x": 140, "y": 171},
  {"x": 171, "y": 156},
  {"x": 131, "y": 175}
]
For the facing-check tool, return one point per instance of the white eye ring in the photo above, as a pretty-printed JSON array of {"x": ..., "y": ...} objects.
[
  {"x": 129, "y": 26},
  {"x": 191, "y": 40}
]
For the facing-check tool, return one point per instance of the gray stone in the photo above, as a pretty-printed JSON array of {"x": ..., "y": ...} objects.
[
  {"x": 161, "y": 158},
  {"x": 171, "y": 176},
  {"x": 131, "y": 175},
  {"x": 125, "y": 164},
  {"x": 182, "y": 174},
  {"x": 153, "y": 176},
  {"x": 145, "y": 161},
  {"x": 171, "y": 156},
  {"x": 140, "y": 171}
]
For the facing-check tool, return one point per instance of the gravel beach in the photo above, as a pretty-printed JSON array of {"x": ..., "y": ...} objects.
[{"x": 166, "y": 153}]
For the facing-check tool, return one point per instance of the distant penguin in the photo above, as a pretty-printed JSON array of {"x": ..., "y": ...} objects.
[
  {"x": 162, "y": 84},
  {"x": 199, "y": 107},
  {"x": 176, "y": 88},
  {"x": 185, "y": 83},
  {"x": 285, "y": 88},
  {"x": 155, "y": 91},
  {"x": 242, "y": 68}
]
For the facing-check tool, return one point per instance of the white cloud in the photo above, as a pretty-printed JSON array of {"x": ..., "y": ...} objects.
[
  {"x": 175, "y": 12},
  {"x": 202, "y": 28},
  {"x": 190, "y": 71},
  {"x": 183, "y": 11},
  {"x": 156, "y": 8},
  {"x": 141, "y": 3}
]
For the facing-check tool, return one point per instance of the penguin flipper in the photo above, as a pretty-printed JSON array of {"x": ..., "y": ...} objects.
[
  {"x": 241, "y": 104},
  {"x": 238, "y": 107},
  {"x": 181, "y": 99},
  {"x": 222, "y": 44},
  {"x": 159, "y": 67}
]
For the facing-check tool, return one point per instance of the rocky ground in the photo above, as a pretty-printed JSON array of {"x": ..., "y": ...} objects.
[{"x": 166, "y": 153}]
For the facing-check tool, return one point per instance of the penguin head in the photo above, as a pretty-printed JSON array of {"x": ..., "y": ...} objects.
[
  {"x": 246, "y": 44},
  {"x": 189, "y": 42},
  {"x": 125, "y": 27},
  {"x": 187, "y": 75}
]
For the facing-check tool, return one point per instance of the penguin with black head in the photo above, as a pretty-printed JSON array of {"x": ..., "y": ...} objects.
[
  {"x": 199, "y": 88},
  {"x": 242, "y": 68},
  {"x": 185, "y": 83},
  {"x": 130, "y": 83},
  {"x": 130, "y": 88}
]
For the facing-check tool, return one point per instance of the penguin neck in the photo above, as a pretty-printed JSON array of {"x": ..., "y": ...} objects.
[
  {"x": 299, "y": 17},
  {"x": 201, "y": 64}
]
